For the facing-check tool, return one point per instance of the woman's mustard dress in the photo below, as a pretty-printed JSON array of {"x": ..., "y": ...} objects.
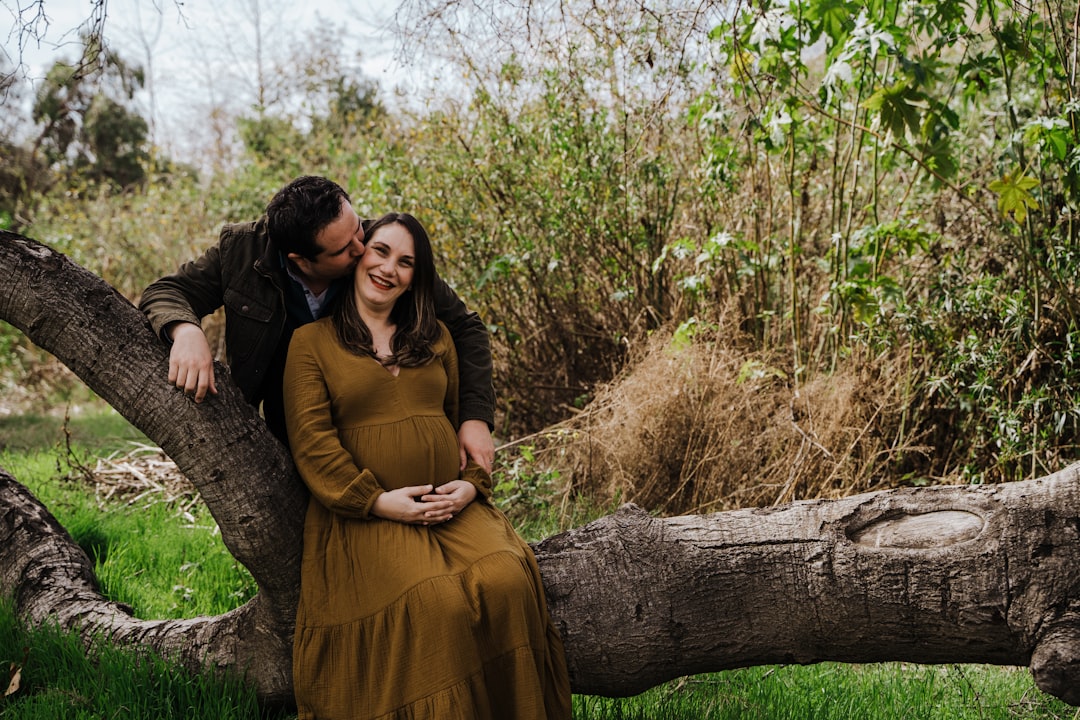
[{"x": 406, "y": 621}]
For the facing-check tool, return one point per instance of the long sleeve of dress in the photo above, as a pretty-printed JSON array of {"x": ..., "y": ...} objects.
[{"x": 325, "y": 465}]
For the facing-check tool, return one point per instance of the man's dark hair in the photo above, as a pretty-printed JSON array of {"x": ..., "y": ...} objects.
[{"x": 300, "y": 211}]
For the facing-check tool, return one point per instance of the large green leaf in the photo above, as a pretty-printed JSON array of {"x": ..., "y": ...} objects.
[
  {"x": 898, "y": 108},
  {"x": 1013, "y": 195},
  {"x": 833, "y": 17}
]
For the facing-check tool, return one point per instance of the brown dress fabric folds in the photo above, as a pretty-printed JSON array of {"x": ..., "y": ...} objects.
[{"x": 406, "y": 621}]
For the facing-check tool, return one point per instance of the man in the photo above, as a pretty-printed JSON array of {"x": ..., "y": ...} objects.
[{"x": 278, "y": 273}]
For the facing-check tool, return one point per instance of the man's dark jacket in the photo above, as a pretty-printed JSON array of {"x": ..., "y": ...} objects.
[{"x": 243, "y": 272}]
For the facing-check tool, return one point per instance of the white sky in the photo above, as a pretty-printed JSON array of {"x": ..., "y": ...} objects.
[{"x": 192, "y": 55}]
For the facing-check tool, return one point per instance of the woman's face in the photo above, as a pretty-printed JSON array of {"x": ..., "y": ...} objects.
[{"x": 385, "y": 269}]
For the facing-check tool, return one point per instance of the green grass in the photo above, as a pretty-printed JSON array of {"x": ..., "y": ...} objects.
[
  {"x": 162, "y": 560},
  {"x": 169, "y": 562},
  {"x": 183, "y": 572},
  {"x": 832, "y": 691},
  {"x": 59, "y": 680}
]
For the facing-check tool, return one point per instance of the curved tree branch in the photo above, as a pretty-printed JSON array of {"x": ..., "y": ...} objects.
[
  {"x": 53, "y": 580},
  {"x": 244, "y": 475}
]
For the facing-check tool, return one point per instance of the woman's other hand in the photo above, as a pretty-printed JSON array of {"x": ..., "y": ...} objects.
[
  {"x": 413, "y": 506},
  {"x": 458, "y": 493}
]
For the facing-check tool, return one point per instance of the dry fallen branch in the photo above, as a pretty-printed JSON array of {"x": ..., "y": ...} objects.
[{"x": 144, "y": 475}]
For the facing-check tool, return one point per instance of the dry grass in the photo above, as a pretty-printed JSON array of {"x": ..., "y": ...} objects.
[
  {"x": 712, "y": 425},
  {"x": 143, "y": 476}
]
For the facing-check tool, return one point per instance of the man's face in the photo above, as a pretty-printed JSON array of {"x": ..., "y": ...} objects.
[{"x": 341, "y": 243}]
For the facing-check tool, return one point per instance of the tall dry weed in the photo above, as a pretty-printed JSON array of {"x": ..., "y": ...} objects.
[{"x": 713, "y": 424}]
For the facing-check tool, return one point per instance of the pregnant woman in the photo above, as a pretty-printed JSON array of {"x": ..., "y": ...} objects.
[{"x": 418, "y": 598}]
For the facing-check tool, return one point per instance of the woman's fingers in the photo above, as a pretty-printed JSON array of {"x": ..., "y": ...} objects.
[{"x": 438, "y": 511}]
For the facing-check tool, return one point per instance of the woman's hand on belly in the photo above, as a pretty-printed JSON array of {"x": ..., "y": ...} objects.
[
  {"x": 459, "y": 493},
  {"x": 413, "y": 506}
]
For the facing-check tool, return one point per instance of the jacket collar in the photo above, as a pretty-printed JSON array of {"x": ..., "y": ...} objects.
[{"x": 269, "y": 263}]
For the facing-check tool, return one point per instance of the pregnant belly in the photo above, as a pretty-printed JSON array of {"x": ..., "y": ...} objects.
[{"x": 418, "y": 451}]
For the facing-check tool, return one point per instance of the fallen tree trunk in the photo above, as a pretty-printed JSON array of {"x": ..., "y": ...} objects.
[
  {"x": 987, "y": 574},
  {"x": 979, "y": 574}
]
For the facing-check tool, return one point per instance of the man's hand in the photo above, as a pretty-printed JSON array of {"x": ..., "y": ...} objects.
[
  {"x": 191, "y": 364},
  {"x": 474, "y": 441}
]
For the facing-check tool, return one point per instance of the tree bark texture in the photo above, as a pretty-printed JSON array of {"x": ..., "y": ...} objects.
[
  {"x": 986, "y": 574},
  {"x": 52, "y": 580},
  {"x": 974, "y": 574},
  {"x": 244, "y": 475}
]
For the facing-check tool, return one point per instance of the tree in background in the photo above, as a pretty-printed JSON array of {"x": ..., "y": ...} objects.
[
  {"x": 20, "y": 173},
  {"x": 323, "y": 111},
  {"x": 908, "y": 179},
  {"x": 89, "y": 132},
  {"x": 555, "y": 167}
]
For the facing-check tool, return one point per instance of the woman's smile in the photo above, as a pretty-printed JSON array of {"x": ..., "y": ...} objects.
[{"x": 380, "y": 283}]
